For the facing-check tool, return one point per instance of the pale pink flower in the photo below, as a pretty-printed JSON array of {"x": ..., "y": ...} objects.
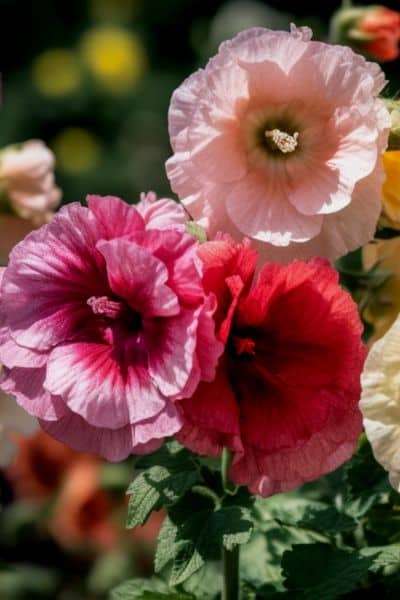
[
  {"x": 27, "y": 176},
  {"x": 106, "y": 324},
  {"x": 279, "y": 139}
]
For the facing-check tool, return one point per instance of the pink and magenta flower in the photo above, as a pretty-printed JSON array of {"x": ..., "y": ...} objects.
[
  {"x": 279, "y": 139},
  {"x": 105, "y": 324},
  {"x": 285, "y": 397}
]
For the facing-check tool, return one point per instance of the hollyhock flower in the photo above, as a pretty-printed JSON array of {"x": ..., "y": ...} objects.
[
  {"x": 383, "y": 303},
  {"x": 285, "y": 396},
  {"x": 382, "y": 26},
  {"x": 105, "y": 324},
  {"x": 371, "y": 30},
  {"x": 39, "y": 466},
  {"x": 279, "y": 139},
  {"x": 27, "y": 178},
  {"x": 13, "y": 420},
  {"x": 391, "y": 190},
  {"x": 380, "y": 401},
  {"x": 83, "y": 511}
]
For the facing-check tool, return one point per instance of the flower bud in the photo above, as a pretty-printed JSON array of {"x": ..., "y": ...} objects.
[
  {"x": 372, "y": 30},
  {"x": 27, "y": 185}
]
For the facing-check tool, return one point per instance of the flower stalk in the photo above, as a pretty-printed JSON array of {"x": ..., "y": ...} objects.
[{"x": 230, "y": 558}]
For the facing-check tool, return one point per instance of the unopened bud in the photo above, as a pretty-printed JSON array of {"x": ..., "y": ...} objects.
[{"x": 371, "y": 30}]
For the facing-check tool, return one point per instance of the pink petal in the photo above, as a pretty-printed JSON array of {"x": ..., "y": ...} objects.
[
  {"x": 138, "y": 277},
  {"x": 27, "y": 387},
  {"x": 106, "y": 386},
  {"x": 116, "y": 218},
  {"x": 178, "y": 251},
  {"x": 162, "y": 213},
  {"x": 50, "y": 276},
  {"x": 171, "y": 346},
  {"x": 266, "y": 215},
  {"x": 112, "y": 444}
]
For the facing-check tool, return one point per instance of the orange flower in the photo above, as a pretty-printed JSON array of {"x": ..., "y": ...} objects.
[
  {"x": 39, "y": 466},
  {"x": 83, "y": 511},
  {"x": 383, "y": 25}
]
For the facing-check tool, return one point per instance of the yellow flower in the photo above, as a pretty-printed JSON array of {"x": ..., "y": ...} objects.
[
  {"x": 384, "y": 305},
  {"x": 56, "y": 72},
  {"x": 391, "y": 190},
  {"x": 77, "y": 150},
  {"x": 115, "y": 57}
]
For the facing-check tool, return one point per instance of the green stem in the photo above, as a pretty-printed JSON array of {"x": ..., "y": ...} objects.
[
  {"x": 230, "y": 558},
  {"x": 230, "y": 569},
  {"x": 226, "y": 459}
]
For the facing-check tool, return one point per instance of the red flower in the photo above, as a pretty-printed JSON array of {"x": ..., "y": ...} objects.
[
  {"x": 287, "y": 387},
  {"x": 384, "y": 26}
]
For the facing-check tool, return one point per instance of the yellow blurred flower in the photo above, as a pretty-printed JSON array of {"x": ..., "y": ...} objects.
[
  {"x": 383, "y": 306},
  {"x": 391, "y": 190},
  {"x": 77, "y": 150},
  {"x": 56, "y": 72},
  {"x": 115, "y": 57}
]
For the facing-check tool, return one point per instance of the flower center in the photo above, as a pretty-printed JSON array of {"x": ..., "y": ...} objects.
[
  {"x": 281, "y": 140},
  {"x": 105, "y": 307},
  {"x": 243, "y": 345},
  {"x": 102, "y": 305}
]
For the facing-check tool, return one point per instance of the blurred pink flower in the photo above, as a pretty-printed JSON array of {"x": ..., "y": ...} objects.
[
  {"x": 279, "y": 139},
  {"x": 106, "y": 324},
  {"x": 26, "y": 172}
]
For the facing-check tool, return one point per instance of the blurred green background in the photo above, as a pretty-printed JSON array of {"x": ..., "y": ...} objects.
[{"x": 93, "y": 78}]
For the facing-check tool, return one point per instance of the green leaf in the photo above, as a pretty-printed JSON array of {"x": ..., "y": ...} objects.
[
  {"x": 315, "y": 571},
  {"x": 171, "y": 455},
  {"x": 147, "y": 589},
  {"x": 296, "y": 510},
  {"x": 170, "y": 473},
  {"x": 188, "y": 541},
  {"x": 384, "y": 557},
  {"x": 365, "y": 480},
  {"x": 327, "y": 520},
  {"x": 155, "y": 488}
]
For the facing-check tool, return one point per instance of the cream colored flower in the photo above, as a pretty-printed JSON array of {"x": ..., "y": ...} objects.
[
  {"x": 27, "y": 180},
  {"x": 380, "y": 402}
]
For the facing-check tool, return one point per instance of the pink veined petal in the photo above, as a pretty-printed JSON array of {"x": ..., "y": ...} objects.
[
  {"x": 257, "y": 45},
  {"x": 327, "y": 187},
  {"x": 112, "y": 444},
  {"x": 108, "y": 387},
  {"x": 171, "y": 346},
  {"x": 50, "y": 276},
  {"x": 220, "y": 156},
  {"x": 139, "y": 277},
  {"x": 178, "y": 252},
  {"x": 183, "y": 104},
  {"x": 266, "y": 214},
  {"x": 12, "y": 355},
  {"x": 27, "y": 387},
  {"x": 161, "y": 213},
  {"x": 115, "y": 217}
]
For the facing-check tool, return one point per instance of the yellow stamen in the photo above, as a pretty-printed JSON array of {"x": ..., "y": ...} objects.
[{"x": 282, "y": 140}]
